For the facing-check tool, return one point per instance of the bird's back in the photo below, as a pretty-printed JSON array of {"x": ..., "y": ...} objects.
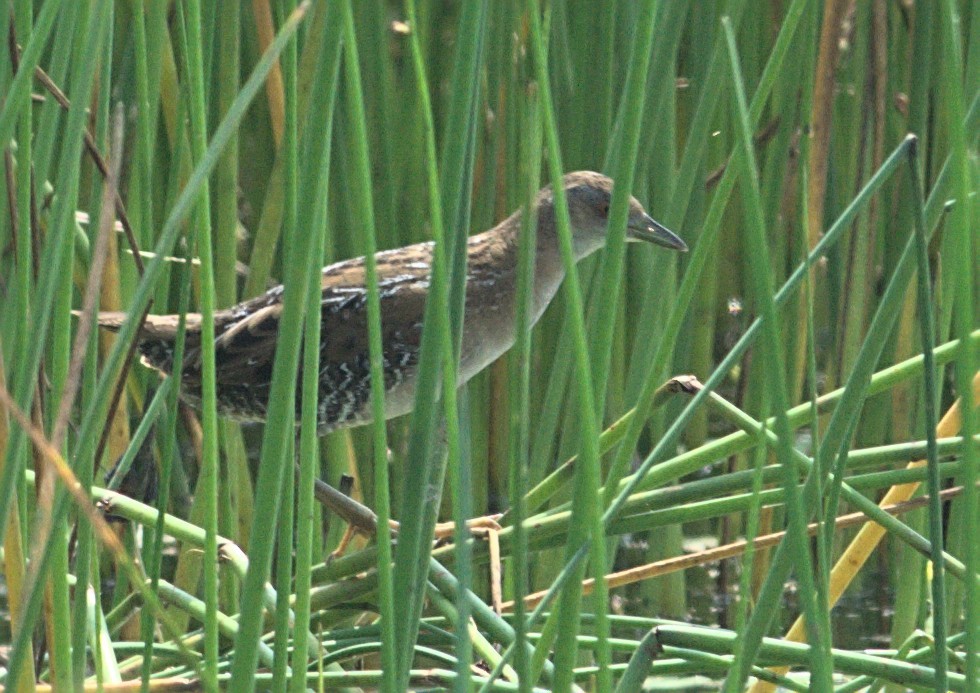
[{"x": 246, "y": 336}]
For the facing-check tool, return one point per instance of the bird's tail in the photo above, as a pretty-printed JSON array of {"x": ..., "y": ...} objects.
[
  {"x": 156, "y": 336},
  {"x": 109, "y": 320},
  {"x": 162, "y": 327}
]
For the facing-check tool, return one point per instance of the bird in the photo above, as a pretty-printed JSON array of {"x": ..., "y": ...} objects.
[{"x": 246, "y": 334}]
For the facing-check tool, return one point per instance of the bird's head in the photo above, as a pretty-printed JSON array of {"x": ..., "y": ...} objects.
[{"x": 589, "y": 196}]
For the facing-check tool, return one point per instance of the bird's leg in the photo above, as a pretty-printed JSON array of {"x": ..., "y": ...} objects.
[
  {"x": 360, "y": 518},
  {"x": 342, "y": 545},
  {"x": 358, "y": 515}
]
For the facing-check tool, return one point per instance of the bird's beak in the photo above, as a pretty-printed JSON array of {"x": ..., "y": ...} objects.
[{"x": 646, "y": 229}]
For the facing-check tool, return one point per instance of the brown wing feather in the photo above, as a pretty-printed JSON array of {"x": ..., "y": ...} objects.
[{"x": 245, "y": 351}]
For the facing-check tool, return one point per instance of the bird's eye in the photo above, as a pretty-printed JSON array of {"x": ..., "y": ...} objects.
[{"x": 604, "y": 209}]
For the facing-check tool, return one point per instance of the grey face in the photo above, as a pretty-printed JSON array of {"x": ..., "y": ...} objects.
[{"x": 589, "y": 197}]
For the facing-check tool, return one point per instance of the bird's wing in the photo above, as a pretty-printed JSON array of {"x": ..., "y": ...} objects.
[
  {"x": 245, "y": 350},
  {"x": 246, "y": 347}
]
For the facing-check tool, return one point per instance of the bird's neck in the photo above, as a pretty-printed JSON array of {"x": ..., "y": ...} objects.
[{"x": 548, "y": 268}]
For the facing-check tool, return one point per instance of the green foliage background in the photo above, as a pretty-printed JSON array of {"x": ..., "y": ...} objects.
[{"x": 252, "y": 143}]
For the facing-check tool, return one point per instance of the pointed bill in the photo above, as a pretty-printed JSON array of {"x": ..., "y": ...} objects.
[{"x": 647, "y": 229}]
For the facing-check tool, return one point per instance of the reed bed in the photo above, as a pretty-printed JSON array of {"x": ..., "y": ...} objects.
[{"x": 687, "y": 453}]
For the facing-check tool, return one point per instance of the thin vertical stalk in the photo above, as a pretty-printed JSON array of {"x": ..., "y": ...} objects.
[
  {"x": 53, "y": 258},
  {"x": 751, "y": 531},
  {"x": 821, "y": 118},
  {"x": 225, "y": 190},
  {"x": 423, "y": 488},
  {"x": 18, "y": 91},
  {"x": 15, "y": 562},
  {"x": 586, "y": 512},
  {"x": 364, "y": 211},
  {"x": 101, "y": 281},
  {"x": 439, "y": 299},
  {"x": 308, "y": 442},
  {"x": 140, "y": 188},
  {"x": 520, "y": 391},
  {"x": 930, "y": 404},
  {"x": 49, "y": 120},
  {"x": 962, "y": 233},
  {"x": 289, "y": 150},
  {"x": 208, "y": 480},
  {"x": 282, "y": 409},
  {"x": 50, "y": 517},
  {"x": 624, "y": 168},
  {"x": 284, "y": 579},
  {"x": 168, "y": 455},
  {"x": 760, "y": 268}
]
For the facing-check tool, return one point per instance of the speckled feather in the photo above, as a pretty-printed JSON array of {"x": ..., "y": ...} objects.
[{"x": 246, "y": 334}]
